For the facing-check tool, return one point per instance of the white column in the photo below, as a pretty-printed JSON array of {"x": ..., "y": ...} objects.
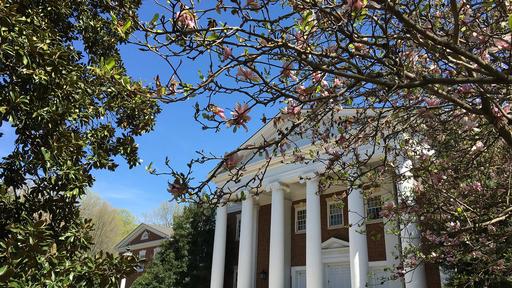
[
  {"x": 219, "y": 248},
  {"x": 276, "y": 267},
  {"x": 392, "y": 241},
  {"x": 314, "y": 266},
  {"x": 123, "y": 283},
  {"x": 245, "y": 249},
  {"x": 254, "y": 258},
  {"x": 409, "y": 234},
  {"x": 357, "y": 239}
]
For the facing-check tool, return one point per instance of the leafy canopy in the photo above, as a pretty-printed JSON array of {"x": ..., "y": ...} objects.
[{"x": 65, "y": 92}]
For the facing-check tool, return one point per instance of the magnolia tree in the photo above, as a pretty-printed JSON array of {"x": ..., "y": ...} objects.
[{"x": 426, "y": 80}]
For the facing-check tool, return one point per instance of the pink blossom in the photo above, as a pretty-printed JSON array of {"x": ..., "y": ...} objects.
[
  {"x": 240, "y": 116},
  {"x": 252, "y": 4},
  {"x": 465, "y": 89},
  {"x": 478, "y": 147},
  {"x": 468, "y": 123},
  {"x": 356, "y": 4},
  {"x": 502, "y": 44},
  {"x": 218, "y": 111},
  {"x": 231, "y": 160},
  {"x": 246, "y": 74},
  {"x": 337, "y": 82},
  {"x": 292, "y": 109},
  {"x": 431, "y": 102},
  {"x": 227, "y": 52},
  {"x": 288, "y": 72},
  {"x": 318, "y": 77},
  {"x": 186, "y": 19}
]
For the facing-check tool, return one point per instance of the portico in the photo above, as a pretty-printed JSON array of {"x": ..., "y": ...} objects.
[{"x": 354, "y": 265}]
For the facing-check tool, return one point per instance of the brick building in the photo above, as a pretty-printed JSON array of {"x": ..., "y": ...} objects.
[
  {"x": 144, "y": 241},
  {"x": 293, "y": 235}
]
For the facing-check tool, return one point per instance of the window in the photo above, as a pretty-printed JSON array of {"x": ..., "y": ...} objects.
[
  {"x": 156, "y": 250},
  {"x": 238, "y": 224},
  {"x": 144, "y": 236},
  {"x": 142, "y": 254},
  {"x": 300, "y": 220},
  {"x": 374, "y": 207},
  {"x": 140, "y": 267},
  {"x": 335, "y": 214},
  {"x": 235, "y": 276}
]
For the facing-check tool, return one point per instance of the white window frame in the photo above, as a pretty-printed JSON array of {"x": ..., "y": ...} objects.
[
  {"x": 238, "y": 226},
  {"x": 335, "y": 202},
  {"x": 366, "y": 207},
  {"x": 298, "y": 208},
  {"x": 145, "y": 235},
  {"x": 142, "y": 254}
]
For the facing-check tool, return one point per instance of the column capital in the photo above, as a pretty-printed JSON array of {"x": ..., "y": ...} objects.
[
  {"x": 276, "y": 185},
  {"x": 312, "y": 176}
]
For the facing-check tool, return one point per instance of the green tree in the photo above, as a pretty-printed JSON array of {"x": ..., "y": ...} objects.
[
  {"x": 110, "y": 224},
  {"x": 185, "y": 260},
  {"x": 64, "y": 90}
]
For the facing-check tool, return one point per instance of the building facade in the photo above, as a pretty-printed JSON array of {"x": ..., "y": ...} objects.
[
  {"x": 293, "y": 235},
  {"x": 144, "y": 242}
]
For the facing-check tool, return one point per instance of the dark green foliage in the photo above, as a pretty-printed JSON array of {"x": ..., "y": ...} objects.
[
  {"x": 64, "y": 90},
  {"x": 185, "y": 260}
]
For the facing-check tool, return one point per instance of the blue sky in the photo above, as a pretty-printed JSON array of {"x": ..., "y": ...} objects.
[{"x": 176, "y": 136}]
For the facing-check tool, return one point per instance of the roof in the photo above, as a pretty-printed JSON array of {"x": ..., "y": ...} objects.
[{"x": 160, "y": 230}]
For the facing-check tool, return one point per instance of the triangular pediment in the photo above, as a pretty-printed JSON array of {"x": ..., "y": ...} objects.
[{"x": 334, "y": 243}]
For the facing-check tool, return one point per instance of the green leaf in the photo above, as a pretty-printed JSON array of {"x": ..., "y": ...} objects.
[
  {"x": 127, "y": 26},
  {"x": 109, "y": 64},
  {"x": 510, "y": 21},
  {"x": 46, "y": 154},
  {"x": 155, "y": 17},
  {"x": 3, "y": 269}
]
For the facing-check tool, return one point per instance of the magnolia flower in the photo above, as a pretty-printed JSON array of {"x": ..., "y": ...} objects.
[
  {"x": 288, "y": 72},
  {"x": 218, "y": 111},
  {"x": 252, "y": 4},
  {"x": 478, "y": 147},
  {"x": 318, "y": 77},
  {"x": 227, "y": 52},
  {"x": 300, "y": 90},
  {"x": 246, "y": 74},
  {"x": 356, "y": 4},
  {"x": 502, "y": 44},
  {"x": 431, "y": 102},
  {"x": 292, "y": 109},
  {"x": 186, "y": 19},
  {"x": 177, "y": 188},
  {"x": 240, "y": 116},
  {"x": 231, "y": 160}
]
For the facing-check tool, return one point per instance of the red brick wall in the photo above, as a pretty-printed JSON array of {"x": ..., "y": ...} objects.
[
  {"x": 375, "y": 234},
  {"x": 150, "y": 253},
  {"x": 263, "y": 244},
  {"x": 151, "y": 237}
]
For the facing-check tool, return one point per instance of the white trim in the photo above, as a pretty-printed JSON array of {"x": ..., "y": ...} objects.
[
  {"x": 145, "y": 235},
  {"x": 376, "y": 194},
  {"x": 293, "y": 271},
  {"x": 143, "y": 245},
  {"x": 132, "y": 235},
  {"x": 296, "y": 224}
]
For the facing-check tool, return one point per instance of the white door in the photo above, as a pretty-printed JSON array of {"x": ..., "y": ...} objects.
[
  {"x": 337, "y": 276},
  {"x": 300, "y": 279}
]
